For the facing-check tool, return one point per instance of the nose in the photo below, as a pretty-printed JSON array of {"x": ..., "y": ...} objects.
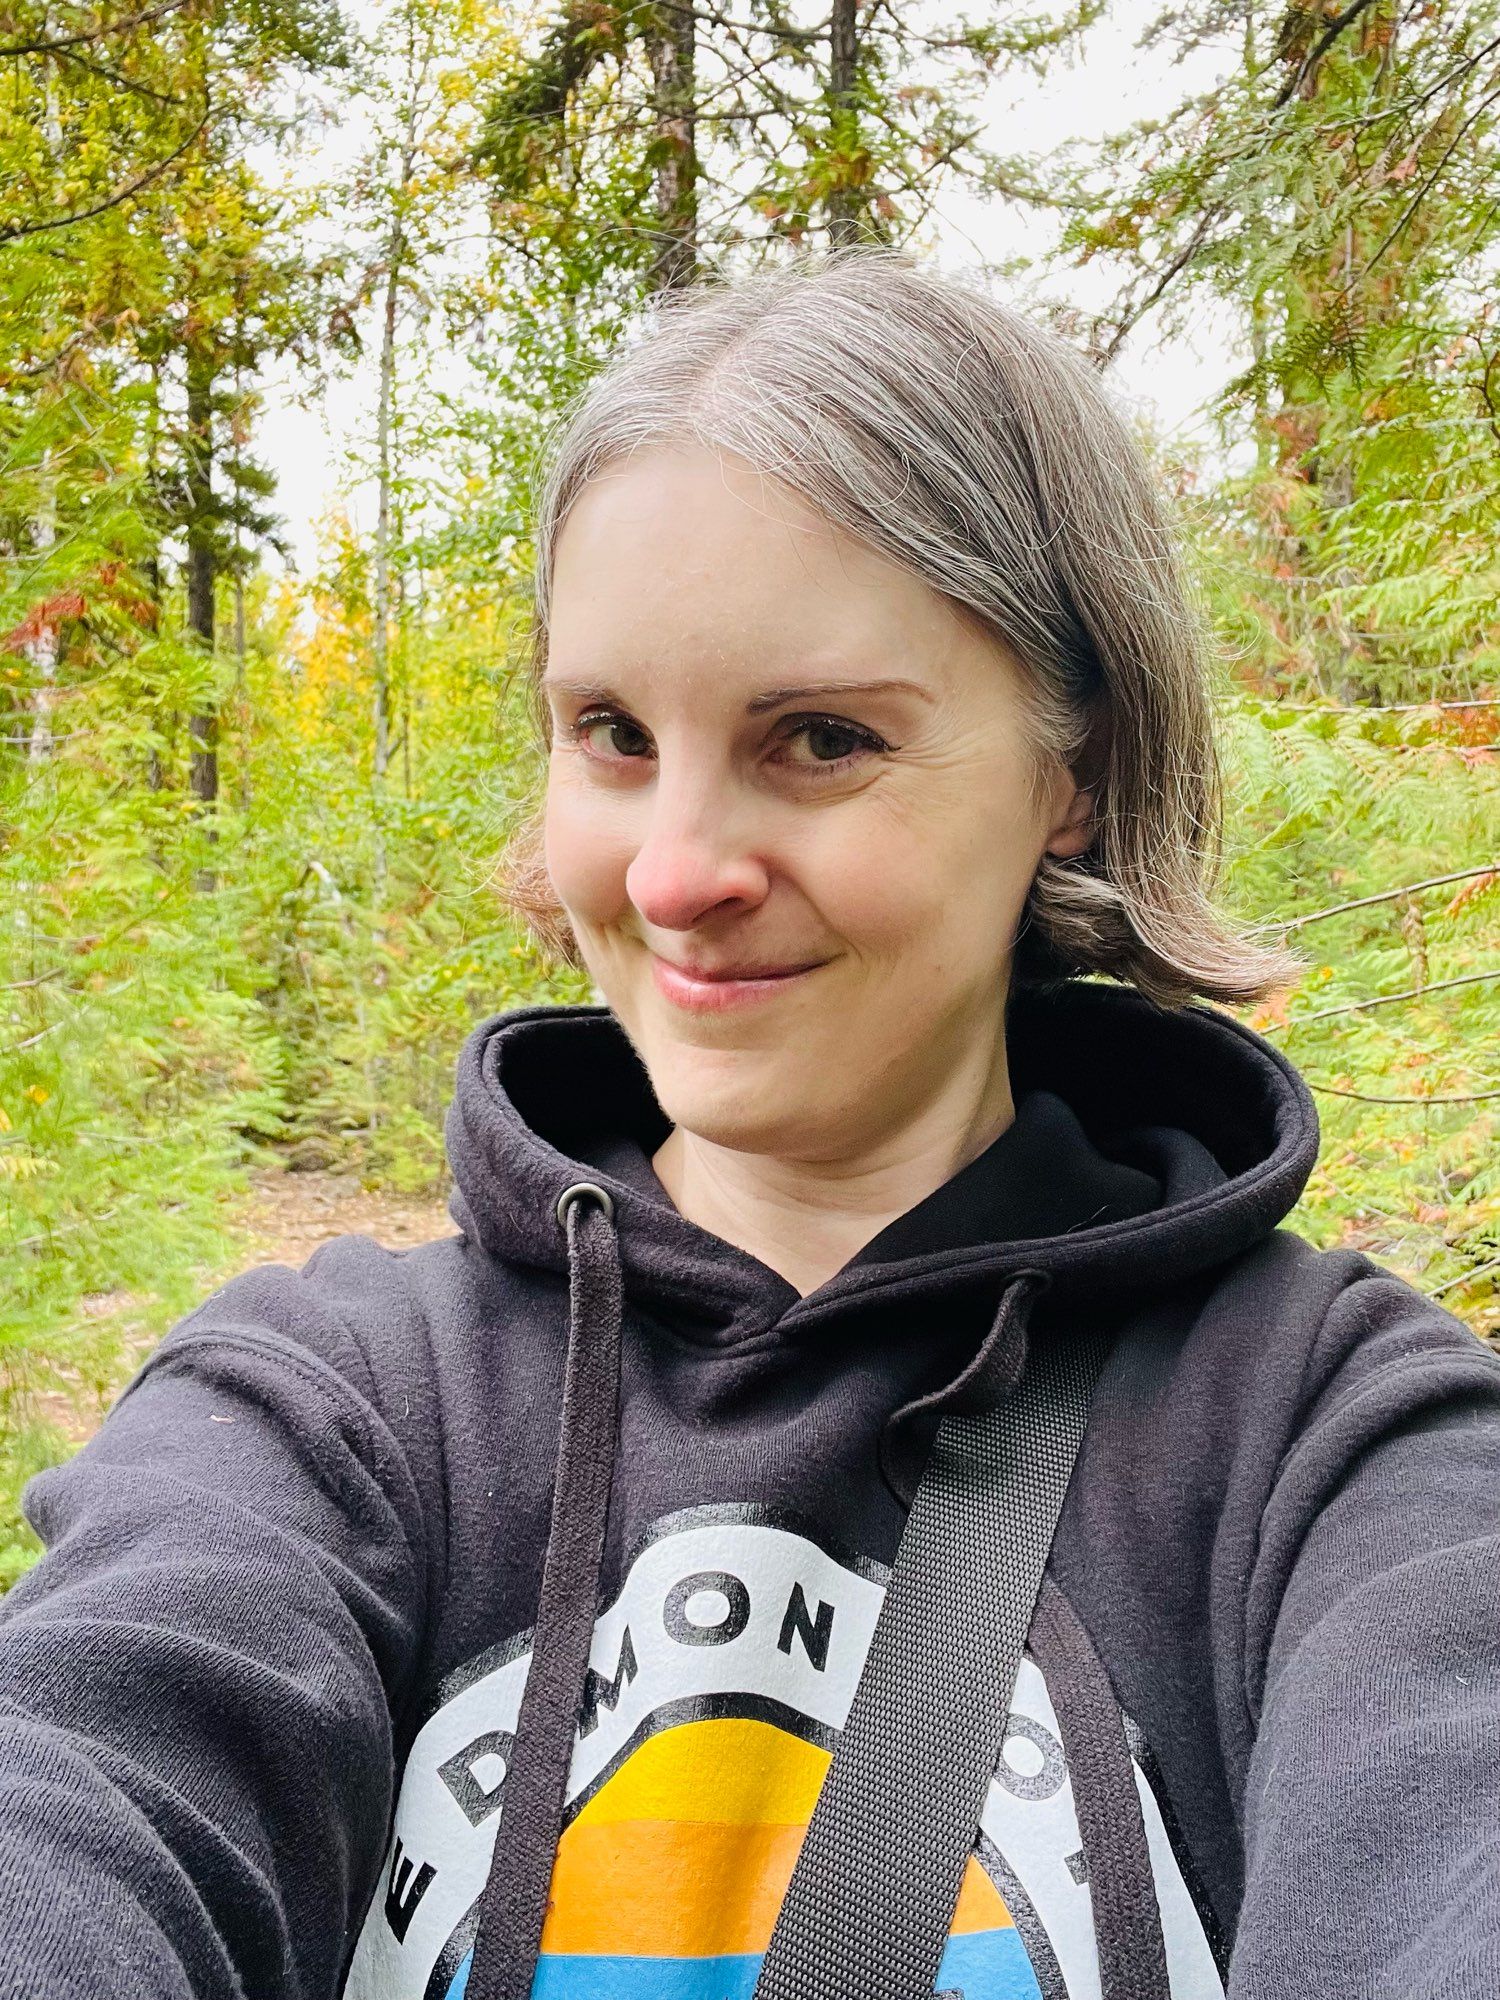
[{"x": 693, "y": 860}]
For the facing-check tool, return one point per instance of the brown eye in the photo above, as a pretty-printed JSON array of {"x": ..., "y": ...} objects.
[
  {"x": 828, "y": 741},
  {"x": 623, "y": 738},
  {"x": 834, "y": 745}
]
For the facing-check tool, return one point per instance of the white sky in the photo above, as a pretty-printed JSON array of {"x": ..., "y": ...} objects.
[{"x": 307, "y": 446}]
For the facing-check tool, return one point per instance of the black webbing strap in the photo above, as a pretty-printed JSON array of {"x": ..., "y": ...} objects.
[{"x": 868, "y": 1909}]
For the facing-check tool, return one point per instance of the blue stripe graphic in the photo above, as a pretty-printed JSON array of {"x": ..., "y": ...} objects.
[{"x": 979, "y": 1965}]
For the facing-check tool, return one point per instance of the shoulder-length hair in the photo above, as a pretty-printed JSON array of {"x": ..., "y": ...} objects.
[{"x": 977, "y": 449}]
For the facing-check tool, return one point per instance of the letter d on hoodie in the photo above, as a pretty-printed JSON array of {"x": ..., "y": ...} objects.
[{"x": 276, "y": 1655}]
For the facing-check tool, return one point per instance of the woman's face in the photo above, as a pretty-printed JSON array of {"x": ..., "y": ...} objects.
[{"x": 776, "y": 753}]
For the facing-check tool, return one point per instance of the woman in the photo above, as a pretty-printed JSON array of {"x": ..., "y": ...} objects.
[{"x": 425, "y": 1624}]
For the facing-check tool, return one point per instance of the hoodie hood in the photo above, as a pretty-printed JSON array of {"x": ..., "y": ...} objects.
[
  {"x": 1148, "y": 1146},
  {"x": 516, "y": 1590}
]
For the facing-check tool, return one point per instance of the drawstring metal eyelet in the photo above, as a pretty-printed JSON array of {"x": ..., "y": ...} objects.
[{"x": 576, "y": 1192}]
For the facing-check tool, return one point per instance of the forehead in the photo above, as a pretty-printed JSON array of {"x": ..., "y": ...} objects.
[{"x": 688, "y": 559}]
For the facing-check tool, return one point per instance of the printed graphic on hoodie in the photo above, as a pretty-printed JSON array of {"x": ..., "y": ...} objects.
[{"x": 719, "y": 1680}]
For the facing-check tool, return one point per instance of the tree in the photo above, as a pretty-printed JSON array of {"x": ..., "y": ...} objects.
[
  {"x": 1333, "y": 189},
  {"x": 423, "y": 67},
  {"x": 854, "y": 125},
  {"x": 125, "y": 203},
  {"x": 130, "y": 91}
]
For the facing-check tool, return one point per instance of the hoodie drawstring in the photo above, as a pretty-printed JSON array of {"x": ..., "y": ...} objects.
[
  {"x": 1115, "y": 1849},
  {"x": 935, "y": 1616},
  {"x": 513, "y": 1904}
]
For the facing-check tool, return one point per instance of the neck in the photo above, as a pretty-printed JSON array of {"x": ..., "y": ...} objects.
[{"x": 806, "y": 1218}]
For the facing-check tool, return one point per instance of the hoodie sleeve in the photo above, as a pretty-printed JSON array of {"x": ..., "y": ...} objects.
[
  {"x": 198, "y": 1677},
  {"x": 1372, "y": 1793}
]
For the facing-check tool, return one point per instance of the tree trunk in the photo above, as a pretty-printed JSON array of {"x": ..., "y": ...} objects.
[
  {"x": 380, "y": 634},
  {"x": 241, "y": 693},
  {"x": 164, "y": 723},
  {"x": 42, "y": 651},
  {"x": 380, "y": 621},
  {"x": 156, "y": 773},
  {"x": 843, "y": 202},
  {"x": 202, "y": 568},
  {"x": 673, "y": 52}
]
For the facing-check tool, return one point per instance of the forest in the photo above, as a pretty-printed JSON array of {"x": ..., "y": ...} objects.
[{"x": 252, "y": 804}]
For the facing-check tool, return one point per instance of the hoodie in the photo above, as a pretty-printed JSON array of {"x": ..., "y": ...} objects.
[{"x": 310, "y": 1690}]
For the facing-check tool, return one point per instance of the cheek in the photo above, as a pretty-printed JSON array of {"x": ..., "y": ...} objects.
[
  {"x": 949, "y": 866},
  {"x": 586, "y": 854}
]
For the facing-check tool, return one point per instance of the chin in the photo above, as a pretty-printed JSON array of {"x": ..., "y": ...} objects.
[{"x": 739, "y": 1099}]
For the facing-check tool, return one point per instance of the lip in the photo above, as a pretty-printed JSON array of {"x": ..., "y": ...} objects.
[{"x": 716, "y": 992}]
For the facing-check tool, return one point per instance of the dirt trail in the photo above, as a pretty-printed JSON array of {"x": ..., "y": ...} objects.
[
  {"x": 289, "y": 1215},
  {"x": 282, "y": 1221}
]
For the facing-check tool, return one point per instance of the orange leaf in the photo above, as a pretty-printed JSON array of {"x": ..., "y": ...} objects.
[
  {"x": 44, "y": 617},
  {"x": 1467, "y": 891}
]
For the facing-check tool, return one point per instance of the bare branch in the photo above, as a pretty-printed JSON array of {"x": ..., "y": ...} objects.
[
  {"x": 1389, "y": 895},
  {"x": 107, "y": 74},
  {"x": 1404, "y": 106},
  {"x": 1136, "y": 314},
  {"x": 1366, "y": 1097},
  {"x": 1377, "y": 707},
  {"x": 1320, "y": 49},
  {"x": 1422, "y": 193},
  {"x": 54, "y": 44},
  {"x": 1386, "y": 999},
  {"x": 1465, "y": 1278},
  {"x": 17, "y": 230},
  {"x": 781, "y": 31}
]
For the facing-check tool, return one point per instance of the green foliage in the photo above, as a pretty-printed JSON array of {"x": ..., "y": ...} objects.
[
  {"x": 248, "y": 828},
  {"x": 154, "y": 1040},
  {"x": 1327, "y": 810},
  {"x": 1333, "y": 188}
]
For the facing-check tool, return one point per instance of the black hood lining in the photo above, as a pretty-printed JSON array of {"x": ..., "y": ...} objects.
[{"x": 537, "y": 1081}]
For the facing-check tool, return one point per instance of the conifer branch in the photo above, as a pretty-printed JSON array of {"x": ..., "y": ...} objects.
[{"x": 1320, "y": 49}]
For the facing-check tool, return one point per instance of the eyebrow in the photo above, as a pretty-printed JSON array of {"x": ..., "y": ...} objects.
[
  {"x": 768, "y": 699},
  {"x": 775, "y": 697}
]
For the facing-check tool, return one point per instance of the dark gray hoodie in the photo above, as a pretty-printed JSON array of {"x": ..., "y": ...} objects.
[{"x": 259, "y": 1700}]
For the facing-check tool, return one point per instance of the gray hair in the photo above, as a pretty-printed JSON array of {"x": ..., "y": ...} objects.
[{"x": 978, "y": 450}]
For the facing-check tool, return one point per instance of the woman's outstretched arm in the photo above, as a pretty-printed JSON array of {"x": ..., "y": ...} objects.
[
  {"x": 1372, "y": 1794},
  {"x": 197, "y": 1680}
]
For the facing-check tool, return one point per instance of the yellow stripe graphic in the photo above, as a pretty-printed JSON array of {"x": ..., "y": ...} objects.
[{"x": 687, "y": 1851}]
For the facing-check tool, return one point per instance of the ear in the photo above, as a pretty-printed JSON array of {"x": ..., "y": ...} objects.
[{"x": 1073, "y": 823}]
